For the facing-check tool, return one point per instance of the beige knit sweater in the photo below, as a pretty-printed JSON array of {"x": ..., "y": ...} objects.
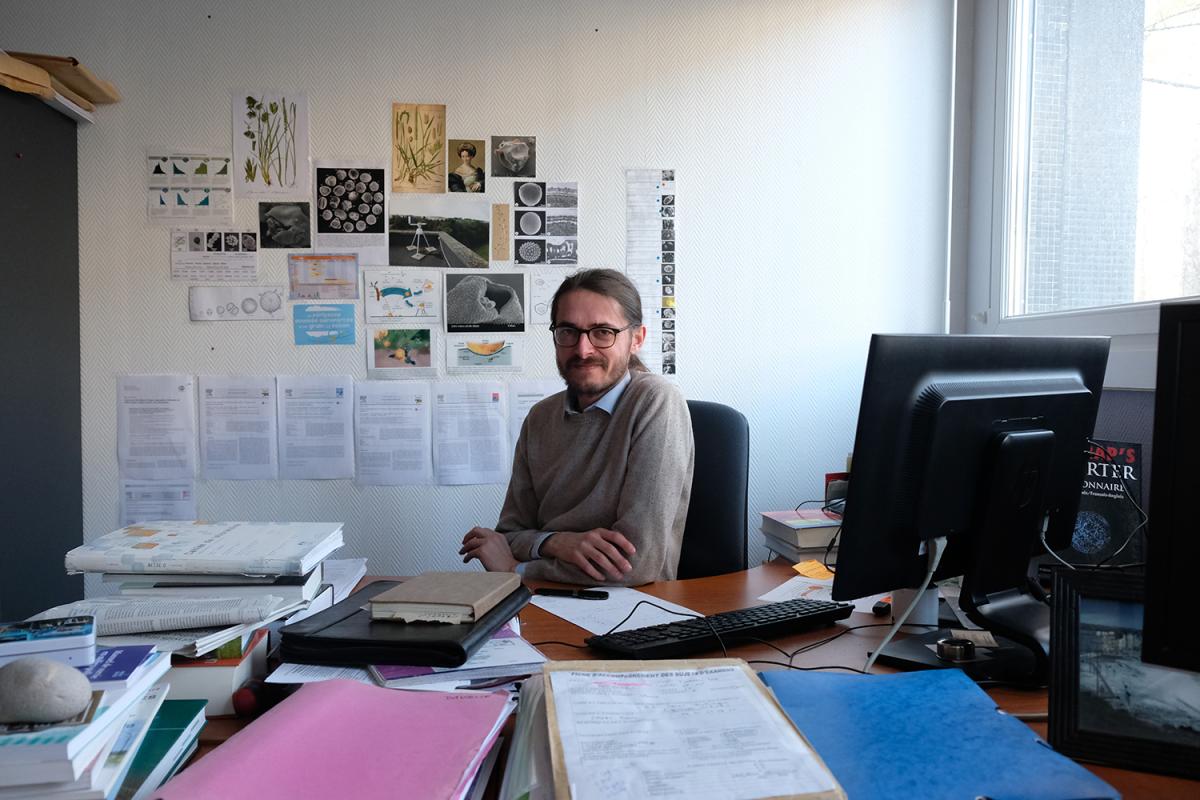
[{"x": 631, "y": 472}]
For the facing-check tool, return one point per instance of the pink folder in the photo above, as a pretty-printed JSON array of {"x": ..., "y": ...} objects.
[{"x": 349, "y": 740}]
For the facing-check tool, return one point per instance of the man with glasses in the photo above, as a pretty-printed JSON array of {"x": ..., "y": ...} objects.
[{"x": 603, "y": 471}]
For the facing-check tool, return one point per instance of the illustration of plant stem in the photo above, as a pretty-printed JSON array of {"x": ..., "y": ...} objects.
[
  {"x": 418, "y": 146},
  {"x": 271, "y": 130}
]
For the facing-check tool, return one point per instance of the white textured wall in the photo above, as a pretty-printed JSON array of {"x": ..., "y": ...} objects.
[{"x": 809, "y": 139}]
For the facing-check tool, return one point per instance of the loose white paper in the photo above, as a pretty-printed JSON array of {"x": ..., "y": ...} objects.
[
  {"x": 815, "y": 589},
  {"x": 314, "y": 673},
  {"x": 650, "y": 260},
  {"x": 237, "y": 427},
  {"x": 236, "y": 303},
  {"x": 542, "y": 285},
  {"x": 156, "y": 426},
  {"x": 144, "y": 501},
  {"x": 600, "y": 616},
  {"x": 470, "y": 433},
  {"x": 393, "y": 433},
  {"x": 316, "y": 426},
  {"x": 694, "y": 733}
]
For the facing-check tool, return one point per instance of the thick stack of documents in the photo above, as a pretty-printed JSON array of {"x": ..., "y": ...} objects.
[
  {"x": 191, "y": 587},
  {"x": 702, "y": 728},
  {"x": 344, "y": 739},
  {"x": 87, "y": 756}
]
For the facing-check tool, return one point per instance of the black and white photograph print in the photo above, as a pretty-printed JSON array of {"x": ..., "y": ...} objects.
[
  {"x": 668, "y": 225},
  {"x": 213, "y": 241},
  {"x": 284, "y": 225},
  {"x": 514, "y": 156},
  {"x": 667, "y": 278},
  {"x": 668, "y": 175},
  {"x": 668, "y": 199},
  {"x": 562, "y": 222},
  {"x": 562, "y": 195},
  {"x": 562, "y": 251},
  {"x": 196, "y": 241},
  {"x": 1117, "y": 692},
  {"x": 668, "y": 245},
  {"x": 667, "y": 211},
  {"x": 233, "y": 242},
  {"x": 668, "y": 313},
  {"x": 668, "y": 262},
  {"x": 530, "y": 222},
  {"x": 529, "y": 194},
  {"x": 350, "y": 200},
  {"x": 530, "y": 251},
  {"x": 668, "y": 324},
  {"x": 491, "y": 302},
  {"x": 668, "y": 290},
  {"x": 249, "y": 242},
  {"x": 668, "y": 342}
]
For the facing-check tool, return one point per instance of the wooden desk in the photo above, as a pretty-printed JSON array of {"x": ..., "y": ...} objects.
[{"x": 741, "y": 589}]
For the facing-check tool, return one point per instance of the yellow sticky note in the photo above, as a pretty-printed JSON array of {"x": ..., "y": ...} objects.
[{"x": 813, "y": 569}]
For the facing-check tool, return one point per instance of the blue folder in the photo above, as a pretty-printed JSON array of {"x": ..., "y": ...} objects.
[{"x": 927, "y": 735}]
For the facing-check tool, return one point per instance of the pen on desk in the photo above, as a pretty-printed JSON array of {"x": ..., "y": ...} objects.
[{"x": 580, "y": 594}]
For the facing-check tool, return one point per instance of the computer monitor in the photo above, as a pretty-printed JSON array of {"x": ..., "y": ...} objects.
[
  {"x": 1173, "y": 541},
  {"x": 982, "y": 440}
]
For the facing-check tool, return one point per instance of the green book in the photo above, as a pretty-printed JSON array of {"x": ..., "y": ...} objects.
[{"x": 175, "y": 725}]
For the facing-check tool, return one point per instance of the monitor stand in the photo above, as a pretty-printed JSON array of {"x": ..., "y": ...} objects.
[{"x": 1008, "y": 661}]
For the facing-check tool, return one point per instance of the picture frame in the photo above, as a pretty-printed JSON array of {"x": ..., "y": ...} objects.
[{"x": 1106, "y": 705}]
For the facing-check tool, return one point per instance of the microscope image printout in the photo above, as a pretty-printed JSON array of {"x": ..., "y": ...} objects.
[
  {"x": 350, "y": 209},
  {"x": 200, "y": 255},
  {"x": 235, "y": 303}
]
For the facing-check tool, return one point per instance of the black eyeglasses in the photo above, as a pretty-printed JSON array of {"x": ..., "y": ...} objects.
[{"x": 601, "y": 336}]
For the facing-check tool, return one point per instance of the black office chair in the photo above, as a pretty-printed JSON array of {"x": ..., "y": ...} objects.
[{"x": 714, "y": 537}]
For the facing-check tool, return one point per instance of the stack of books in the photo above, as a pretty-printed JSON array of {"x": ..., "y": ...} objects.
[
  {"x": 89, "y": 755},
  {"x": 800, "y": 534},
  {"x": 205, "y": 592}
]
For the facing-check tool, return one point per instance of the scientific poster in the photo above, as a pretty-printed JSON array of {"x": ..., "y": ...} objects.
[
  {"x": 316, "y": 426},
  {"x": 189, "y": 188},
  {"x": 156, "y": 426},
  {"x": 202, "y": 255},
  {"x": 270, "y": 142},
  {"x": 546, "y": 222},
  {"x": 393, "y": 433},
  {"x": 650, "y": 261},
  {"x": 394, "y": 294},
  {"x": 322, "y": 276},
  {"x": 237, "y": 428}
]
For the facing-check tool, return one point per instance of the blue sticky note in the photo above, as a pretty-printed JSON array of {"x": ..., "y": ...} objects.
[{"x": 323, "y": 323}]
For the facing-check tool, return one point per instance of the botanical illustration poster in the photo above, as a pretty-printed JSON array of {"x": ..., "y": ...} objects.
[
  {"x": 418, "y": 148},
  {"x": 270, "y": 143},
  {"x": 465, "y": 165}
]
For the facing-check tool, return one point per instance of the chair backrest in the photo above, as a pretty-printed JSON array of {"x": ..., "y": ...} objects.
[{"x": 715, "y": 535}]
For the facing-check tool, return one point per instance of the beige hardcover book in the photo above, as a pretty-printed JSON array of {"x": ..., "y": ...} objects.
[
  {"x": 455, "y": 597},
  {"x": 718, "y": 727}
]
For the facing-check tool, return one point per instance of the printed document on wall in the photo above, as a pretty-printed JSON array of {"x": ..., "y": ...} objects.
[
  {"x": 470, "y": 433},
  {"x": 156, "y": 428},
  {"x": 393, "y": 433},
  {"x": 522, "y": 396},
  {"x": 316, "y": 426},
  {"x": 147, "y": 501},
  {"x": 237, "y": 427}
]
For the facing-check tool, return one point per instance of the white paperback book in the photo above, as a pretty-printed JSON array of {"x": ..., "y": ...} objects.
[{"x": 248, "y": 548}]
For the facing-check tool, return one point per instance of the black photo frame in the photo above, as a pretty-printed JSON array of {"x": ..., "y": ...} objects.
[{"x": 1106, "y": 705}]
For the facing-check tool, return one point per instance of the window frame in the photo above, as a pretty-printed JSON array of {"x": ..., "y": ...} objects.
[{"x": 996, "y": 238}]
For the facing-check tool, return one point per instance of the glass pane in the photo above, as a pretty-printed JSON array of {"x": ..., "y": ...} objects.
[{"x": 1113, "y": 181}]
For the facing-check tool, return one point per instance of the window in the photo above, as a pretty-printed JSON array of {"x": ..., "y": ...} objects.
[{"x": 1103, "y": 155}]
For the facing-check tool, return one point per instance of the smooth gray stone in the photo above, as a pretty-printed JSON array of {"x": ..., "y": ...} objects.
[{"x": 36, "y": 689}]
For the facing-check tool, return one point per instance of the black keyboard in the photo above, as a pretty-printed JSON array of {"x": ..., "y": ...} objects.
[{"x": 693, "y": 634}]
